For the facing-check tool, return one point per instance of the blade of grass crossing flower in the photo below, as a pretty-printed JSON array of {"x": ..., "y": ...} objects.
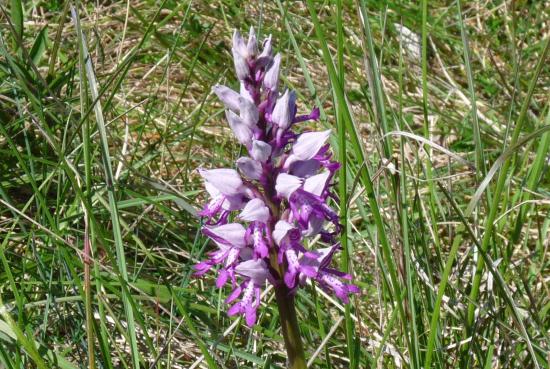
[
  {"x": 119, "y": 246},
  {"x": 365, "y": 173}
]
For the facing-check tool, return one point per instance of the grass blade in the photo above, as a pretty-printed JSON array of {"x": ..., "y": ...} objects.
[{"x": 109, "y": 179}]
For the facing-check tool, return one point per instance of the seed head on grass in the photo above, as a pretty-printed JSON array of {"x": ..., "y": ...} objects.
[{"x": 260, "y": 214}]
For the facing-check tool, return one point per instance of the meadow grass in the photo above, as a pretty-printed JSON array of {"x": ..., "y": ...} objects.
[{"x": 440, "y": 117}]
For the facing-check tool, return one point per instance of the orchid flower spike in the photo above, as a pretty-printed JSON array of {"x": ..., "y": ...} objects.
[{"x": 280, "y": 192}]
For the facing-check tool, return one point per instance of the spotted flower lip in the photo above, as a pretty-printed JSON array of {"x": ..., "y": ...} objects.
[{"x": 261, "y": 214}]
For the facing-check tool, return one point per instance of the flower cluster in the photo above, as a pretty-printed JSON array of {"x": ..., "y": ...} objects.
[{"x": 280, "y": 191}]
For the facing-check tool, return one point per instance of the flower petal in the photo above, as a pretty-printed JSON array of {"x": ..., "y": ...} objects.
[
  {"x": 250, "y": 315},
  {"x": 233, "y": 295},
  {"x": 234, "y": 310},
  {"x": 260, "y": 246},
  {"x": 249, "y": 112},
  {"x": 228, "y": 97},
  {"x": 231, "y": 234},
  {"x": 308, "y": 144},
  {"x": 284, "y": 110},
  {"x": 286, "y": 184},
  {"x": 242, "y": 132},
  {"x": 271, "y": 78},
  {"x": 256, "y": 270},
  {"x": 260, "y": 150},
  {"x": 222, "y": 278},
  {"x": 280, "y": 231},
  {"x": 227, "y": 181},
  {"x": 317, "y": 184},
  {"x": 250, "y": 167},
  {"x": 255, "y": 211},
  {"x": 244, "y": 92},
  {"x": 303, "y": 168}
]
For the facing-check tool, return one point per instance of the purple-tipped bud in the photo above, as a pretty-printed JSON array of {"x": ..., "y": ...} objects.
[
  {"x": 271, "y": 79},
  {"x": 239, "y": 45},
  {"x": 267, "y": 49},
  {"x": 252, "y": 45},
  {"x": 241, "y": 66},
  {"x": 284, "y": 110}
]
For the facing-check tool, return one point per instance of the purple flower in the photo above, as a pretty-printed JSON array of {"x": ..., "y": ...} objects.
[{"x": 279, "y": 194}]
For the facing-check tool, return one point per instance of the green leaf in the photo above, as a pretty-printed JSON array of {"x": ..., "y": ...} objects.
[
  {"x": 39, "y": 46},
  {"x": 17, "y": 16}
]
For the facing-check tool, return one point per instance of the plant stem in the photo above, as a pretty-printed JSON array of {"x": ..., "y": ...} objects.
[{"x": 291, "y": 331}]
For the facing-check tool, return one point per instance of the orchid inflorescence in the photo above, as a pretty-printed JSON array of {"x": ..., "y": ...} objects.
[{"x": 280, "y": 190}]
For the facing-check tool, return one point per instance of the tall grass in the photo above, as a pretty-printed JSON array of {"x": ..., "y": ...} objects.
[{"x": 441, "y": 120}]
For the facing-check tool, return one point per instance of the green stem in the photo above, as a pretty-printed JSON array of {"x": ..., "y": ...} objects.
[{"x": 291, "y": 331}]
